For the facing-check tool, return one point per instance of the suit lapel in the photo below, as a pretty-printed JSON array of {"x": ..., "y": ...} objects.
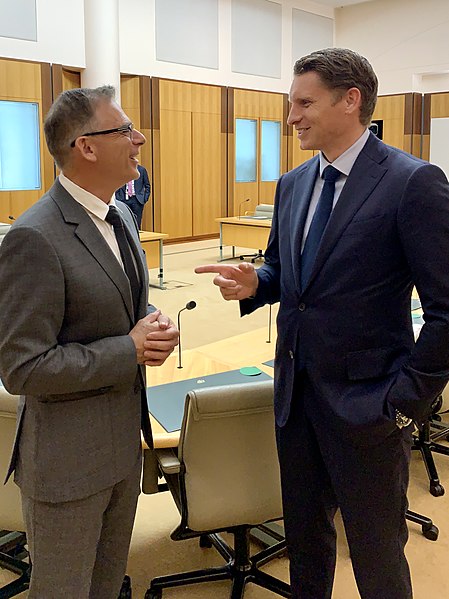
[
  {"x": 363, "y": 179},
  {"x": 302, "y": 192},
  {"x": 91, "y": 238}
]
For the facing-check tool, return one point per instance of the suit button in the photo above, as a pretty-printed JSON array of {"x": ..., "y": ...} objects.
[
  {"x": 291, "y": 354},
  {"x": 301, "y": 307}
]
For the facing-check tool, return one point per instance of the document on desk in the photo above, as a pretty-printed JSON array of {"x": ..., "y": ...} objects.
[
  {"x": 166, "y": 402},
  {"x": 248, "y": 217}
]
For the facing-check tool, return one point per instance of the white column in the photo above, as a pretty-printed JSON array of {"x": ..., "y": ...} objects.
[{"x": 101, "y": 27}]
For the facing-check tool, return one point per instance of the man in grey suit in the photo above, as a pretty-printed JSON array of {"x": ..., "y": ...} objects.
[
  {"x": 354, "y": 229},
  {"x": 76, "y": 335}
]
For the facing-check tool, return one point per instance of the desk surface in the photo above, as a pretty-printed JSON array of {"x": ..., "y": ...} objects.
[
  {"x": 248, "y": 349},
  {"x": 151, "y": 236},
  {"x": 245, "y": 222}
]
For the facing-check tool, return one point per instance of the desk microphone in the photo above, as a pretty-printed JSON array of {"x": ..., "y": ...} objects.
[
  {"x": 240, "y": 206},
  {"x": 189, "y": 306},
  {"x": 11, "y": 217}
]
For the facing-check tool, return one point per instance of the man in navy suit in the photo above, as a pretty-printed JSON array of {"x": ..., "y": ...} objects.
[
  {"x": 354, "y": 229},
  {"x": 136, "y": 194}
]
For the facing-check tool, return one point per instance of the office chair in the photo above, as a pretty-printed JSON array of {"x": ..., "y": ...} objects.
[
  {"x": 262, "y": 211},
  {"x": 433, "y": 430},
  {"x": 225, "y": 477},
  {"x": 13, "y": 553}
]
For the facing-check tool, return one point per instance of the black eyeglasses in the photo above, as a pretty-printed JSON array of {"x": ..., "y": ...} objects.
[{"x": 129, "y": 128}]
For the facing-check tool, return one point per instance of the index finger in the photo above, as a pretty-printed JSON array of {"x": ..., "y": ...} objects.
[{"x": 212, "y": 268}]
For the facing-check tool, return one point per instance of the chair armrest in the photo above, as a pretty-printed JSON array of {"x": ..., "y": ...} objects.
[{"x": 168, "y": 461}]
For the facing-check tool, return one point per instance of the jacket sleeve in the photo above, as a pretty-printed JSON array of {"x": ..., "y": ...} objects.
[
  {"x": 269, "y": 275},
  {"x": 423, "y": 223},
  {"x": 32, "y": 309}
]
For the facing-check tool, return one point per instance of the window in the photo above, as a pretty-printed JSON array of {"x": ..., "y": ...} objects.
[
  {"x": 271, "y": 150},
  {"x": 245, "y": 150},
  {"x": 19, "y": 146}
]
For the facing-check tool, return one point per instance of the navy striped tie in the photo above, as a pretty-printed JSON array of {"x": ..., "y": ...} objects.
[{"x": 319, "y": 222}]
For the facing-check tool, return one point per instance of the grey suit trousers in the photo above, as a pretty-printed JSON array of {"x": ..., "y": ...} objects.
[{"x": 96, "y": 530}]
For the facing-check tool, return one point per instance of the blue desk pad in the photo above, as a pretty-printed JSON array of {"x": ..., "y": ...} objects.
[
  {"x": 269, "y": 363},
  {"x": 166, "y": 402}
]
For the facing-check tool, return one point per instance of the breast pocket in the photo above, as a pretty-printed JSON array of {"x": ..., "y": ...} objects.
[{"x": 365, "y": 227}]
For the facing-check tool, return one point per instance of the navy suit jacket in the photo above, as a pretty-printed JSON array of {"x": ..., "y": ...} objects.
[
  {"x": 142, "y": 188},
  {"x": 350, "y": 328}
]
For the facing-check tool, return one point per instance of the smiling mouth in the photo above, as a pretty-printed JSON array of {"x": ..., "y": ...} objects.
[{"x": 300, "y": 132}]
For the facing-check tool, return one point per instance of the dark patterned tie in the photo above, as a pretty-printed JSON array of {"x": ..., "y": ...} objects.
[
  {"x": 113, "y": 218},
  {"x": 319, "y": 222}
]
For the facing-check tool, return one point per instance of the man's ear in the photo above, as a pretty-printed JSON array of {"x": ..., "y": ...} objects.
[
  {"x": 86, "y": 148},
  {"x": 353, "y": 100}
]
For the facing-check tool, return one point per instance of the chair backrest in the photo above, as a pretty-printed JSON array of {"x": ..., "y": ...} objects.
[
  {"x": 264, "y": 210},
  {"x": 4, "y": 228},
  {"x": 228, "y": 452},
  {"x": 10, "y": 502}
]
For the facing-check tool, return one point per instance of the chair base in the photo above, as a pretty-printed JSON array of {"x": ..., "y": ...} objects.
[
  {"x": 254, "y": 257},
  {"x": 240, "y": 568},
  {"x": 12, "y": 554},
  {"x": 425, "y": 443},
  {"x": 428, "y": 528}
]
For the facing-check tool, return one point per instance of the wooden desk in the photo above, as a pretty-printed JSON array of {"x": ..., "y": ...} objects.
[
  {"x": 212, "y": 358},
  {"x": 152, "y": 243},
  {"x": 243, "y": 232}
]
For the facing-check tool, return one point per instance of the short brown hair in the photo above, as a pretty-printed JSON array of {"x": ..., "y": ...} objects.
[
  {"x": 341, "y": 69},
  {"x": 71, "y": 115}
]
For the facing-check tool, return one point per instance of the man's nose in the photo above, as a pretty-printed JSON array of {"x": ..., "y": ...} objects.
[{"x": 138, "y": 137}]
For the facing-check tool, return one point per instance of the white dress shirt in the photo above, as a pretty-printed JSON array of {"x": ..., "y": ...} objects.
[
  {"x": 96, "y": 209},
  {"x": 344, "y": 164}
]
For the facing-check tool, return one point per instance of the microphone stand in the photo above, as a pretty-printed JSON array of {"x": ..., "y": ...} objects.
[
  {"x": 269, "y": 325},
  {"x": 179, "y": 342},
  {"x": 189, "y": 306},
  {"x": 240, "y": 206}
]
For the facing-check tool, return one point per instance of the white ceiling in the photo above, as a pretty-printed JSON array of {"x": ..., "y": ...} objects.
[{"x": 338, "y": 3}]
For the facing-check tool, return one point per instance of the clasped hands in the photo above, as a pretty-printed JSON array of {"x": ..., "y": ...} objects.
[{"x": 155, "y": 337}]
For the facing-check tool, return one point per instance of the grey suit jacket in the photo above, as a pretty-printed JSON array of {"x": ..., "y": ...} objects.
[{"x": 66, "y": 311}]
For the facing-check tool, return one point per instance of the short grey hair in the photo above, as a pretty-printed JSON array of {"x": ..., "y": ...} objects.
[
  {"x": 340, "y": 69},
  {"x": 71, "y": 115}
]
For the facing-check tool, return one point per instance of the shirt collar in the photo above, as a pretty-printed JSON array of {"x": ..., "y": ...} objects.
[
  {"x": 89, "y": 201},
  {"x": 345, "y": 162}
]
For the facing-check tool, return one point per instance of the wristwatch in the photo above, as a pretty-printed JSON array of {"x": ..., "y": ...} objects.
[{"x": 401, "y": 420}]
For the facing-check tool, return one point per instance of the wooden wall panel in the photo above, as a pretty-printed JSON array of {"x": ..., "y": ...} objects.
[
  {"x": 207, "y": 172},
  {"x": 296, "y": 156},
  {"x": 176, "y": 173},
  {"x": 175, "y": 95},
  {"x": 27, "y": 82},
  {"x": 439, "y": 107},
  {"x": 136, "y": 103},
  {"x": 189, "y": 158},
  {"x": 391, "y": 110}
]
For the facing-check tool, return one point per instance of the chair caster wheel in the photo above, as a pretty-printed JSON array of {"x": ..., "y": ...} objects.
[
  {"x": 436, "y": 490},
  {"x": 205, "y": 542},
  {"x": 431, "y": 533},
  {"x": 153, "y": 594}
]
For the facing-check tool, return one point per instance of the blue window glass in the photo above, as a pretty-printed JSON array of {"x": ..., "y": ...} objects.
[
  {"x": 245, "y": 150},
  {"x": 19, "y": 146},
  {"x": 271, "y": 150}
]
